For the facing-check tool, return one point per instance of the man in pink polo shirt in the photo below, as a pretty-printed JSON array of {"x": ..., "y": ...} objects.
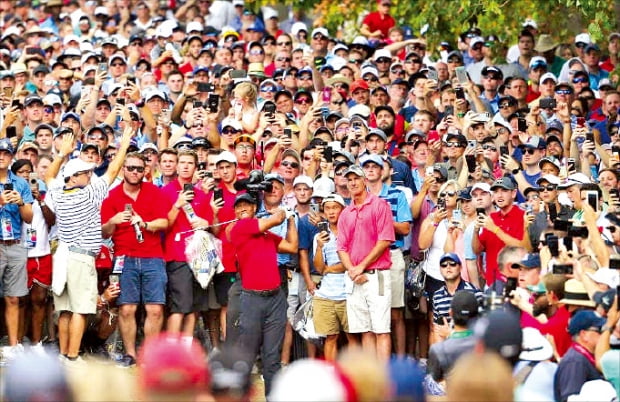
[{"x": 365, "y": 232}]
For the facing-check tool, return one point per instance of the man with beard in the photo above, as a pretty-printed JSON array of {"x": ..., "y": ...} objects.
[
  {"x": 135, "y": 223},
  {"x": 506, "y": 226},
  {"x": 376, "y": 142},
  {"x": 392, "y": 125}
]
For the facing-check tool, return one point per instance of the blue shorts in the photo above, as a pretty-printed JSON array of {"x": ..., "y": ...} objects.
[{"x": 143, "y": 281}]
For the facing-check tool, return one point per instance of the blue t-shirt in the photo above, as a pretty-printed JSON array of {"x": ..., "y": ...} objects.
[
  {"x": 11, "y": 211},
  {"x": 306, "y": 232}
]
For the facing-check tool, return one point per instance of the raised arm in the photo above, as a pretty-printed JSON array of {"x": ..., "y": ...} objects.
[{"x": 119, "y": 159}]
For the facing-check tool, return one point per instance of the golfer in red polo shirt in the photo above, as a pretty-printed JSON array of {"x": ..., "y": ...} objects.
[{"x": 263, "y": 305}]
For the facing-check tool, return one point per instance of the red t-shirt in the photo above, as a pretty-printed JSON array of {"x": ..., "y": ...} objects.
[
  {"x": 375, "y": 21},
  {"x": 124, "y": 236},
  {"x": 175, "y": 250},
  {"x": 256, "y": 255},
  {"x": 556, "y": 326},
  {"x": 510, "y": 223},
  {"x": 531, "y": 95},
  {"x": 227, "y": 213}
]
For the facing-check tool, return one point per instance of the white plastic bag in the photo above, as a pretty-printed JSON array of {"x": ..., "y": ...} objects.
[
  {"x": 204, "y": 256},
  {"x": 303, "y": 321}
]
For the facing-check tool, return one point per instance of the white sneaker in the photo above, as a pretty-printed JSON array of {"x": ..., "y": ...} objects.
[
  {"x": 38, "y": 349},
  {"x": 11, "y": 352},
  {"x": 78, "y": 363}
]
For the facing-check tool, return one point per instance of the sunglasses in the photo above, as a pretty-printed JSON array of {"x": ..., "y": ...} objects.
[
  {"x": 454, "y": 60},
  {"x": 287, "y": 59},
  {"x": 303, "y": 101},
  {"x": 488, "y": 147},
  {"x": 453, "y": 145},
  {"x": 398, "y": 72},
  {"x": 340, "y": 172},
  {"x": 96, "y": 137},
  {"x": 139, "y": 169},
  {"x": 580, "y": 80},
  {"x": 268, "y": 89},
  {"x": 48, "y": 109},
  {"x": 284, "y": 43},
  {"x": 440, "y": 179},
  {"x": 371, "y": 79},
  {"x": 477, "y": 47},
  {"x": 319, "y": 37},
  {"x": 293, "y": 165},
  {"x": 529, "y": 151},
  {"x": 383, "y": 60},
  {"x": 117, "y": 65},
  {"x": 548, "y": 187},
  {"x": 256, "y": 52},
  {"x": 304, "y": 77},
  {"x": 580, "y": 45},
  {"x": 447, "y": 194},
  {"x": 355, "y": 61},
  {"x": 563, "y": 91},
  {"x": 504, "y": 106},
  {"x": 612, "y": 229},
  {"x": 445, "y": 264},
  {"x": 229, "y": 131}
]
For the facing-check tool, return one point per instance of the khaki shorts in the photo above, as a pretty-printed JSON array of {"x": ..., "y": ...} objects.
[
  {"x": 368, "y": 305},
  {"x": 80, "y": 294},
  {"x": 330, "y": 316},
  {"x": 397, "y": 276}
]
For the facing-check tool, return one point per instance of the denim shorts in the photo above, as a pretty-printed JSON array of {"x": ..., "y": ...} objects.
[{"x": 143, "y": 281}]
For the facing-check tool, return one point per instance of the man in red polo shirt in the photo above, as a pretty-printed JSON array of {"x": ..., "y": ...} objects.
[
  {"x": 134, "y": 222},
  {"x": 263, "y": 304},
  {"x": 365, "y": 233},
  {"x": 377, "y": 24},
  {"x": 189, "y": 209},
  {"x": 504, "y": 227}
]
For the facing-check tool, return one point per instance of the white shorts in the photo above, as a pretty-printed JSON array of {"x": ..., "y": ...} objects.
[
  {"x": 368, "y": 305},
  {"x": 397, "y": 276}
]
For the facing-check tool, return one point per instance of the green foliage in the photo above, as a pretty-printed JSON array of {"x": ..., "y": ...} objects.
[{"x": 448, "y": 18}]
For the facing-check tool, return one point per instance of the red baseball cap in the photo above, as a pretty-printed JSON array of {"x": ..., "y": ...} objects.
[
  {"x": 171, "y": 363},
  {"x": 357, "y": 84}
]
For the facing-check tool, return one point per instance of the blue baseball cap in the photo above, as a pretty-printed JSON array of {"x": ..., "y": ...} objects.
[
  {"x": 451, "y": 257},
  {"x": 531, "y": 260},
  {"x": 70, "y": 115},
  {"x": 374, "y": 158},
  {"x": 583, "y": 320},
  {"x": 5, "y": 145}
]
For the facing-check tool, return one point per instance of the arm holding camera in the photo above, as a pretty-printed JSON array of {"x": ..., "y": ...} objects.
[
  {"x": 597, "y": 244},
  {"x": 427, "y": 232}
]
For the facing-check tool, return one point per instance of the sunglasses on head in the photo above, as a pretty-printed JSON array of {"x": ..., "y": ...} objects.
[
  {"x": 448, "y": 263},
  {"x": 293, "y": 165},
  {"x": 139, "y": 169},
  {"x": 447, "y": 194}
]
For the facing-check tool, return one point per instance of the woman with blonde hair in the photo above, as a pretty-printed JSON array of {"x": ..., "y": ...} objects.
[{"x": 244, "y": 108}]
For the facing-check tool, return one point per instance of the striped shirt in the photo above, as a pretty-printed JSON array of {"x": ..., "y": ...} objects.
[
  {"x": 77, "y": 214},
  {"x": 399, "y": 207},
  {"x": 332, "y": 284},
  {"x": 442, "y": 299}
]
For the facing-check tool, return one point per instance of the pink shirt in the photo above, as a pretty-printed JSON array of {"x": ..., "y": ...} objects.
[{"x": 361, "y": 227}]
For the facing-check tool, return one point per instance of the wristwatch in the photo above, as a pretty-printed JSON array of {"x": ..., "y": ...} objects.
[
  {"x": 605, "y": 328},
  {"x": 515, "y": 171}
]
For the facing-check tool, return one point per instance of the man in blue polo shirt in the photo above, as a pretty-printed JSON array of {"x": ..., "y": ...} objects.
[
  {"x": 378, "y": 171},
  {"x": 15, "y": 208}
]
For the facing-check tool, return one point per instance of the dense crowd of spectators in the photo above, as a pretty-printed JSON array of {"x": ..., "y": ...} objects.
[{"x": 325, "y": 184}]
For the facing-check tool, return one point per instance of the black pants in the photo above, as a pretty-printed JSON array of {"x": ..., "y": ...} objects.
[{"x": 262, "y": 323}]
